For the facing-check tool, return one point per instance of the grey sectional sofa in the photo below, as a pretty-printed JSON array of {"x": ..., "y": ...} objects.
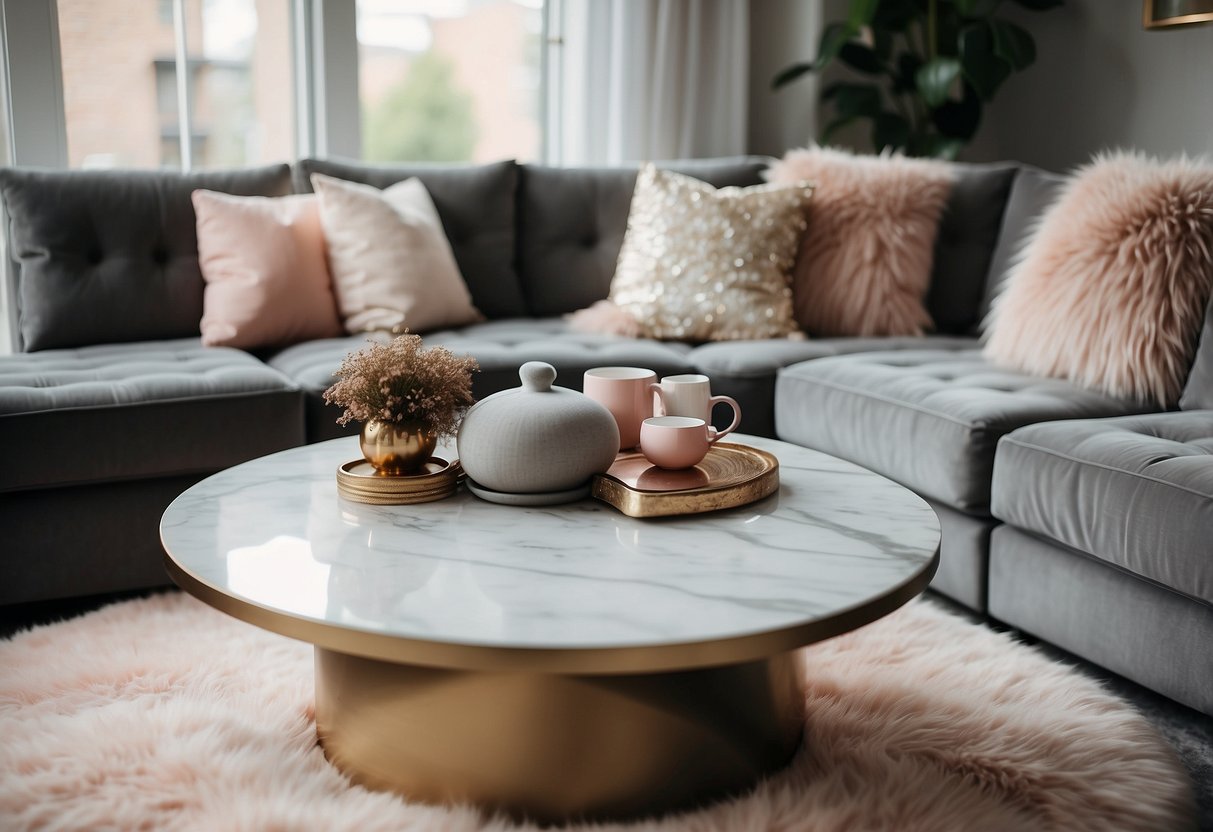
[
  {"x": 111, "y": 406},
  {"x": 1069, "y": 514}
]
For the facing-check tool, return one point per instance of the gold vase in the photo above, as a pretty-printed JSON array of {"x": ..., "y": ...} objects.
[{"x": 397, "y": 448}]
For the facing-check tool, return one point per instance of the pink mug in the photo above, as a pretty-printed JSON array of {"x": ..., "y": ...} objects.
[
  {"x": 677, "y": 441},
  {"x": 625, "y": 392}
]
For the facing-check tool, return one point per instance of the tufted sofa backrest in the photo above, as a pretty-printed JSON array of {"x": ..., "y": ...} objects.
[
  {"x": 109, "y": 256},
  {"x": 476, "y": 206},
  {"x": 571, "y": 223}
]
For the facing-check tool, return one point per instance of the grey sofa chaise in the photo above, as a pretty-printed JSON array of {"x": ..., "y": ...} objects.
[{"x": 112, "y": 406}]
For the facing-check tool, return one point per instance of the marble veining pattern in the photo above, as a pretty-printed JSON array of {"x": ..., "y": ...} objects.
[{"x": 274, "y": 532}]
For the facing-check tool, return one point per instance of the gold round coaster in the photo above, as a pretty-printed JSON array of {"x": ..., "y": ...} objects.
[
  {"x": 395, "y": 499},
  {"x": 358, "y": 480}
]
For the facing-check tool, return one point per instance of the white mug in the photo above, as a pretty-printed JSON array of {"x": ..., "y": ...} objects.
[{"x": 690, "y": 395}]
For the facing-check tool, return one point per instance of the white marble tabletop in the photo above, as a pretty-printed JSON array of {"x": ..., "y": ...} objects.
[{"x": 274, "y": 534}]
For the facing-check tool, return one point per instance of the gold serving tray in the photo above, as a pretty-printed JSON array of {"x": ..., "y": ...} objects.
[
  {"x": 359, "y": 481},
  {"x": 730, "y": 475}
]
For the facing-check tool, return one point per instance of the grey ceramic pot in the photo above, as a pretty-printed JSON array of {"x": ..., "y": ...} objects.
[{"x": 536, "y": 438}]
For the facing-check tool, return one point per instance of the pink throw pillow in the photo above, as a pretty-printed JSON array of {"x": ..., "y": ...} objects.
[
  {"x": 267, "y": 282},
  {"x": 392, "y": 265},
  {"x": 1110, "y": 290},
  {"x": 865, "y": 259}
]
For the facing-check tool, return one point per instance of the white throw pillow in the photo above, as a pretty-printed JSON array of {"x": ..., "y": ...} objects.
[{"x": 391, "y": 263}]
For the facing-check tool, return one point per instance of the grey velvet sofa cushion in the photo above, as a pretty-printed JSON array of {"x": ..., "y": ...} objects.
[
  {"x": 1136, "y": 492},
  {"x": 85, "y": 540},
  {"x": 764, "y": 359},
  {"x": 127, "y": 411},
  {"x": 571, "y": 224},
  {"x": 1198, "y": 392},
  {"x": 964, "y": 549},
  {"x": 1156, "y": 637},
  {"x": 112, "y": 256},
  {"x": 477, "y": 207},
  {"x": 500, "y": 347},
  {"x": 746, "y": 370},
  {"x": 964, "y": 244},
  {"x": 929, "y": 419},
  {"x": 1033, "y": 191}
]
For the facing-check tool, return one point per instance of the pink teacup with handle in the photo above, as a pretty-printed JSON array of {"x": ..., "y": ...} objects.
[
  {"x": 690, "y": 394},
  {"x": 677, "y": 441}
]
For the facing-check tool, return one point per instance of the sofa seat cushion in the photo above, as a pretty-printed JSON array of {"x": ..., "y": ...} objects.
[
  {"x": 1136, "y": 492},
  {"x": 746, "y": 370},
  {"x": 930, "y": 419},
  {"x": 129, "y": 411},
  {"x": 500, "y": 347},
  {"x": 764, "y": 359}
]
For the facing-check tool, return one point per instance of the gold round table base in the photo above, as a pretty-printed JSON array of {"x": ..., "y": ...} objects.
[{"x": 552, "y": 747}]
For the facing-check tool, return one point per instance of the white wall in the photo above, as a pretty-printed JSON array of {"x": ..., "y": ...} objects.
[{"x": 1101, "y": 81}]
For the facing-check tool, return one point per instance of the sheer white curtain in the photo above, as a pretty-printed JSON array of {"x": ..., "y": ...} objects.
[{"x": 649, "y": 79}]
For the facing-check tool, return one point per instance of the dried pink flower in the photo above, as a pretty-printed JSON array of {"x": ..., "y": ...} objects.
[{"x": 400, "y": 381}]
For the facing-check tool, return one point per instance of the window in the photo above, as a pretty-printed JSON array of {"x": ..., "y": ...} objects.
[
  {"x": 119, "y": 67},
  {"x": 450, "y": 80},
  {"x": 95, "y": 83}
]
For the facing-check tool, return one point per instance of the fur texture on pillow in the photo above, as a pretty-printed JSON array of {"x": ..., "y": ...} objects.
[
  {"x": 865, "y": 260},
  {"x": 1110, "y": 290}
]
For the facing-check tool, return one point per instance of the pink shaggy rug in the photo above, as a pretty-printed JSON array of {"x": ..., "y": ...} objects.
[{"x": 163, "y": 714}]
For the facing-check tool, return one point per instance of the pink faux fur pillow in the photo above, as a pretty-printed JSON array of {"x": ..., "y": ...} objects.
[
  {"x": 865, "y": 261},
  {"x": 1111, "y": 289}
]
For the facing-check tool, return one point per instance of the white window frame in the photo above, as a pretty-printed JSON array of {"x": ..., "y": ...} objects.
[
  {"x": 29, "y": 41},
  {"x": 324, "y": 46}
]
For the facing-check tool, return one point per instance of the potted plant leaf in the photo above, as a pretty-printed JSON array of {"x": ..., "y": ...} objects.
[{"x": 933, "y": 65}]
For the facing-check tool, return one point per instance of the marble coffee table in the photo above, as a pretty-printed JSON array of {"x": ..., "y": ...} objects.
[{"x": 553, "y": 662}]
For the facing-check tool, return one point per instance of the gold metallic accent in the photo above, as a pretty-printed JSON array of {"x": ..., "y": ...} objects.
[
  {"x": 359, "y": 481},
  {"x": 400, "y": 500},
  {"x": 554, "y": 747},
  {"x": 601, "y": 660},
  {"x": 730, "y": 475},
  {"x": 1165, "y": 14},
  {"x": 397, "y": 448}
]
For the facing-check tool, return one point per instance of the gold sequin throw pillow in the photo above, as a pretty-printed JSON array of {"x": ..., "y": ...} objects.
[{"x": 701, "y": 264}]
